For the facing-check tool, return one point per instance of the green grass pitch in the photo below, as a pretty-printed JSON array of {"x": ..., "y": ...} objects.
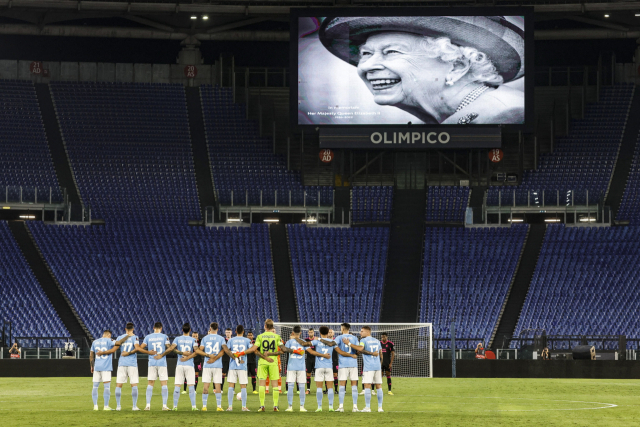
[{"x": 449, "y": 402}]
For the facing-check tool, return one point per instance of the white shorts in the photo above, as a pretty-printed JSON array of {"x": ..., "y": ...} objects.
[
  {"x": 347, "y": 374},
  {"x": 212, "y": 375},
  {"x": 372, "y": 377},
  {"x": 104, "y": 376},
  {"x": 296, "y": 377},
  {"x": 237, "y": 376},
  {"x": 185, "y": 373},
  {"x": 157, "y": 372},
  {"x": 324, "y": 374},
  {"x": 125, "y": 372}
]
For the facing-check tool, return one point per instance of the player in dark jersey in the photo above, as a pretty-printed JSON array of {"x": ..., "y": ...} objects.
[
  {"x": 225, "y": 358},
  {"x": 334, "y": 365},
  {"x": 310, "y": 361},
  {"x": 252, "y": 364},
  {"x": 388, "y": 354}
]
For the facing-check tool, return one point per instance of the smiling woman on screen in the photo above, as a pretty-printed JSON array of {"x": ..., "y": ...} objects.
[{"x": 441, "y": 69}]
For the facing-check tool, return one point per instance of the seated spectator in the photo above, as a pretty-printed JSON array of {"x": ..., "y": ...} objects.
[
  {"x": 480, "y": 351},
  {"x": 545, "y": 354}
]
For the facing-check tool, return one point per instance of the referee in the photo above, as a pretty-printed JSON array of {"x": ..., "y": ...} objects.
[
  {"x": 388, "y": 354},
  {"x": 252, "y": 366},
  {"x": 310, "y": 360}
]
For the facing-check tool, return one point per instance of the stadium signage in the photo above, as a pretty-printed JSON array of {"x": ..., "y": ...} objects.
[
  {"x": 326, "y": 155},
  {"x": 410, "y": 138}
]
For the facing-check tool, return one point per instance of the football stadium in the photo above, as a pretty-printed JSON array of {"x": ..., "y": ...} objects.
[{"x": 237, "y": 212}]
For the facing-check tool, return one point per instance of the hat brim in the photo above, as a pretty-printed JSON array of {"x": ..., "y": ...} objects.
[{"x": 499, "y": 39}]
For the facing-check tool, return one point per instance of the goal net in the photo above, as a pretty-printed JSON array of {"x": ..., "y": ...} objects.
[{"x": 413, "y": 344}]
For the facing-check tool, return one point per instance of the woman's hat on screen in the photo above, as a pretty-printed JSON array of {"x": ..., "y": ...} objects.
[{"x": 500, "y": 38}]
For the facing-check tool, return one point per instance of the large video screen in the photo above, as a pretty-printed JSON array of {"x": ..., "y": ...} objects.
[{"x": 391, "y": 66}]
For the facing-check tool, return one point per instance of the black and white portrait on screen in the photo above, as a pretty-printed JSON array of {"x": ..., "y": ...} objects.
[{"x": 422, "y": 69}]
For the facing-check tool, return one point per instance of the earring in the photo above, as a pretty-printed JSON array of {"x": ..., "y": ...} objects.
[{"x": 448, "y": 81}]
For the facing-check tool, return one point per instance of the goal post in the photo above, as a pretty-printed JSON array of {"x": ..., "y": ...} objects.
[{"x": 413, "y": 344}]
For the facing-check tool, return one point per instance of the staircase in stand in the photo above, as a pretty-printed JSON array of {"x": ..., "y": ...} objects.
[{"x": 285, "y": 289}]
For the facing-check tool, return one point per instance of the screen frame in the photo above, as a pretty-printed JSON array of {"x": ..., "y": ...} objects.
[{"x": 529, "y": 63}]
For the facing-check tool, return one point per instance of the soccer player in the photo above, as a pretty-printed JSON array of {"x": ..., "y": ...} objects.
[
  {"x": 310, "y": 360},
  {"x": 157, "y": 342},
  {"x": 295, "y": 368},
  {"x": 212, "y": 346},
  {"x": 238, "y": 368},
  {"x": 225, "y": 357},
  {"x": 324, "y": 372},
  {"x": 184, "y": 345},
  {"x": 348, "y": 363},
  {"x": 102, "y": 365},
  {"x": 266, "y": 343},
  {"x": 127, "y": 365},
  {"x": 388, "y": 354},
  {"x": 252, "y": 364},
  {"x": 197, "y": 362},
  {"x": 372, "y": 370}
]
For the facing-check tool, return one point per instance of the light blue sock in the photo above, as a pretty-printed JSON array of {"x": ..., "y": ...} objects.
[
  {"x": 192, "y": 395},
  {"x": 380, "y": 394},
  {"x": 230, "y": 394},
  {"x": 367, "y": 397},
  {"x": 205, "y": 397},
  {"x": 341, "y": 395},
  {"x": 94, "y": 393},
  {"x": 107, "y": 393},
  {"x": 330, "y": 394},
  {"x": 354, "y": 394},
  {"x": 165, "y": 395},
  {"x": 134, "y": 395},
  {"x": 243, "y": 394},
  {"x": 319, "y": 397},
  {"x": 290, "y": 393},
  {"x": 176, "y": 396},
  {"x": 149, "y": 394},
  {"x": 118, "y": 395},
  {"x": 303, "y": 394},
  {"x": 219, "y": 398}
]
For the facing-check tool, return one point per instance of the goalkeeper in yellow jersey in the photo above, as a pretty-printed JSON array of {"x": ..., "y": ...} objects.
[{"x": 267, "y": 344}]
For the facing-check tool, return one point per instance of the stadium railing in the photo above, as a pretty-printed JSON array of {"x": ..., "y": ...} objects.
[{"x": 29, "y": 195}]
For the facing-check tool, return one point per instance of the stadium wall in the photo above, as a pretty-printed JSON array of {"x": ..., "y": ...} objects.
[{"x": 442, "y": 368}]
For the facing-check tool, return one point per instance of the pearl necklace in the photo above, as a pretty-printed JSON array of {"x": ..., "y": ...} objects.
[{"x": 472, "y": 96}]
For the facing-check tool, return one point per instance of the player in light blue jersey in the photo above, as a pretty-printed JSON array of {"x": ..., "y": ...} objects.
[
  {"x": 348, "y": 364},
  {"x": 295, "y": 368},
  {"x": 371, "y": 351},
  {"x": 324, "y": 370},
  {"x": 185, "y": 345},
  {"x": 212, "y": 347},
  {"x": 102, "y": 365},
  {"x": 238, "y": 367},
  {"x": 156, "y": 343},
  {"x": 127, "y": 365}
]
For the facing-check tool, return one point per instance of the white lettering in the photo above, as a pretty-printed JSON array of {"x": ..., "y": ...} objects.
[
  {"x": 404, "y": 137},
  {"x": 376, "y": 137},
  {"x": 444, "y": 137},
  {"x": 415, "y": 136},
  {"x": 429, "y": 139},
  {"x": 387, "y": 141}
]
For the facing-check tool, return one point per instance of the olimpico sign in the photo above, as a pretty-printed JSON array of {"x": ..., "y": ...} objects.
[{"x": 411, "y": 138}]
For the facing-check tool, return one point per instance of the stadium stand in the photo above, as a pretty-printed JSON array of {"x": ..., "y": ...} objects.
[
  {"x": 586, "y": 283},
  {"x": 129, "y": 148},
  {"x": 338, "y": 272},
  {"x": 446, "y": 203},
  {"x": 25, "y": 160},
  {"x": 371, "y": 203},
  {"x": 243, "y": 163},
  {"x": 22, "y": 300},
  {"x": 467, "y": 273},
  {"x": 630, "y": 205},
  {"x": 173, "y": 273},
  {"x": 582, "y": 161}
]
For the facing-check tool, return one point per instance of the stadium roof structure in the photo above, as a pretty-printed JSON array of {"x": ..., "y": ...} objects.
[{"x": 250, "y": 20}]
